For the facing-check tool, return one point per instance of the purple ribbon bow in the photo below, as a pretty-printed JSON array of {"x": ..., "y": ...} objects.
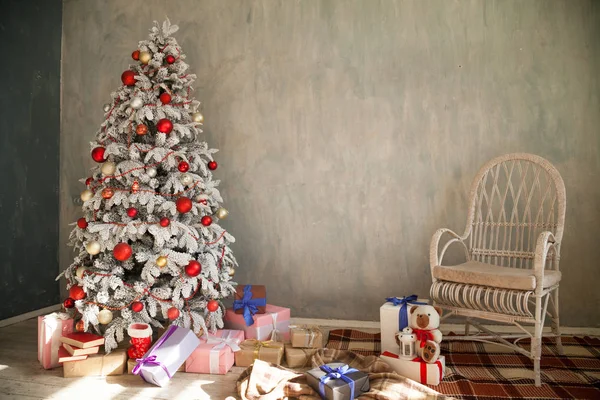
[
  {"x": 336, "y": 373},
  {"x": 150, "y": 359},
  {"x": 403, "y": 312},
  {"x": 249, "y": 305}
]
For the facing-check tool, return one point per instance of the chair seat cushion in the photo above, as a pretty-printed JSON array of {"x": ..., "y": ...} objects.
[{"x": 477, "y": 273}]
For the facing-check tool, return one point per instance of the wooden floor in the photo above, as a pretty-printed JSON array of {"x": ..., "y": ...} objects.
[{"x": 22, "y": 377}]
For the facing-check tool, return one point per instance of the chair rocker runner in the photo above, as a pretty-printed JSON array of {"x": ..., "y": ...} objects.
[{"x": 515, "y": 225}]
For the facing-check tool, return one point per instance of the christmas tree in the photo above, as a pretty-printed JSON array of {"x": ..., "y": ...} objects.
[{"x": 150, "y": 249}]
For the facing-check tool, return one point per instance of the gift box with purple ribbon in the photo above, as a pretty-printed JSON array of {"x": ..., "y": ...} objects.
[
  {"x": 393, "y": 317},
  {"x": 273, "y": 325},
  {"x": 165, "y": 357},
  {"x": 250, "y": 300},
  {"x": 337, "y": 381},
  {"x": 215, "y": 354}
]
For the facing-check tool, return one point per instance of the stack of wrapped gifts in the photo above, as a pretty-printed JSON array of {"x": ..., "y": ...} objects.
[
  {"x": 304, "y": 342},
  {"x": 410, "y": 339},
  {"x": 265, "y": 326},
  {"x": 80, "y": 356}
]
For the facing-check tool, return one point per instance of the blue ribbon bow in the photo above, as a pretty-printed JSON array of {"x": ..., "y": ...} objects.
[
  {"x": 249, "y": 305},
  {"x": 336, "y": 373},
  {"x": 403, "y": 302}
]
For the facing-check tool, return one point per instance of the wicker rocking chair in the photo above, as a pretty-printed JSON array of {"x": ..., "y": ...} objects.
[{"x": 512, "y": 246}]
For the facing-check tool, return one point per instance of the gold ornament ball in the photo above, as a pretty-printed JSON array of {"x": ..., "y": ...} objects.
[
  {"x": 197, "y": 117},
  {"x": 108, "y": 168},
  {"x": 92, "y": 247},
  {"x": 161, "y": 261},
  {"x": 86, "y": 195},
  {"x": 222, "y": 213},
  {"x": 231, "y": 272},
  {"x": 145, "y": 57},
  {"x": 80, "y": 271},
  {"x": 151, "y": 172},
  {"x": 105, "y": 316}
]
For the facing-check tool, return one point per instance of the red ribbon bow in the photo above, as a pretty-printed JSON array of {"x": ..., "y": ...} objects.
[{"x": 423, "y": 335}]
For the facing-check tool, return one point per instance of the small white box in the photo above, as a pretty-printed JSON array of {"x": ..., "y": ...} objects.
[
  {"x": 389, "y": 319},
  {"x": 417, "y": 370}
]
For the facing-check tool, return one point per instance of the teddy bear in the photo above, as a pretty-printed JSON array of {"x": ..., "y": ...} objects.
[{"x": 425, "y": 321}]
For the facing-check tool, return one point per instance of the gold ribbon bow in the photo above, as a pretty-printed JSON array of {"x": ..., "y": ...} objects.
[{"x": 257, "y": 345}]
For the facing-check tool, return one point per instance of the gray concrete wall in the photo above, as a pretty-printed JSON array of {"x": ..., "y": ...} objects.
[{"x": 350, "y": 130}]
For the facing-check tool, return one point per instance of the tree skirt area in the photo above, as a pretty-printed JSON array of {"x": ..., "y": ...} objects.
[{"x": 486, "y": 371}]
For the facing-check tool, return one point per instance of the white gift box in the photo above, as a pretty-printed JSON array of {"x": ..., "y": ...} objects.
[
  {"x": 417, "y": 369},
  {"x": 165, "y": 357},
  {"x": 389, "y": 318}
]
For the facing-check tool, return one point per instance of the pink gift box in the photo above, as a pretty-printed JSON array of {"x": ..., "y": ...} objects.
[
  {"x": 273, "y": 325},
  {"x": 215, "y": 354},
  {"x": 51, "y": 328}
]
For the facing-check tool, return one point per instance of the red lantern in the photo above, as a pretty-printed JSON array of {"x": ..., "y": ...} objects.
[
  {"x": 165, "y": 98},
  {"x": 76, "y": 292},
  {"x": 135, "y": 55},
  {"x": 183, "y": 205},
  {"x": 183, "y": 166},
  {"x": 172, "y": 313},
  {"x": 193, "y": 268},
  {"x": 122, "y": 251},
  {"x": 212, "y": 306},
  {"x": 137, "y": 306},
  {"x": 132, "y": 212},
  {"x": 206, "y": 220},
  {"x": 164, "y": 222},
  {"x": 170, "y": 59},
  {"x": 128, "y": 78},
  {"x": 98, "y": 154},
  {"x": 212, "y": 165},
  {"x": 164, "y": 126},
  {"x": 82, "y": 223}
]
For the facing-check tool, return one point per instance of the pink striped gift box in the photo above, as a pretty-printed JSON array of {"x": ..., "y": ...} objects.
[
  {"x": 51, "y": 328},
  {"x": 273, "y": 325},
  {"x": 215, "y": 354}
]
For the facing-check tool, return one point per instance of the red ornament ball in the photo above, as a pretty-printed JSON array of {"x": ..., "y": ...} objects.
[
  {"x": 88, "y": 181},
  {"x": 122, "y": 252},
  {"x": 164, "y": 222},
  {"x": 128, "y": 78},
  {"x": 98, "y": 154},
  {"x": 183, "y": 204},
  {"x": 206, "y": 220},
  {"x": 135, "y": 55},
  {"x": 212, "y": 306},
  {"x": 193, "y": 268},
  {"x": 212, "y": 165},
  {"x": 76, "y": 293},
  {"x": 69, "y": 303},
  {"x": 164, "y": 126},
  {"x": 82, "y": 223},
  {"x": 132, "y": 212},
  {"x": 107, "y": 193},
  {"x": 183, "y": 166},
  {"x": 137, "y": 306},
  {"x": 172, "y": 313},
  {"x": 170, "y": 59},
  {"x": 165, "y": 98}
]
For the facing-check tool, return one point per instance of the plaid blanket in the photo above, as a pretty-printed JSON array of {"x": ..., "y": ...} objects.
[
  {"x": 266, "y": 381},
  {"x": 484, "y": 371}
]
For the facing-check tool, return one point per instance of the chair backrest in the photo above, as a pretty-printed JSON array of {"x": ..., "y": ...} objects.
[{"x": 513, "y": 199}]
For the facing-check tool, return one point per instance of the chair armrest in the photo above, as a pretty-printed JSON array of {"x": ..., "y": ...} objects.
[
  {"x": 435, "y": 258},
  {"x": 545, "y": 242}
]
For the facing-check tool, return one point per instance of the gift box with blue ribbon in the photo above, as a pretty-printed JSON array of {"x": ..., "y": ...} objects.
[
  {"x": 393, "y": 317},
  {"x": 250, "y": 300},
  {"x": 338, "y": 381}
]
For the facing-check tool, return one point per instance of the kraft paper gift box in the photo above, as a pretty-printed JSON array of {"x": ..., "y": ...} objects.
[
  {"x": 51, "y": 328},
  {"x": 215, "y": 354},
  {"x": 306, "y": 337},
  {"x": 393, "y": 317},
  {"x": 298, "y": 358},
  {"x": 97, "y": 365},
  {"x": 252, "y": 349},
  {"x": 273, "y": 325},
  {"x": 337, "y": 381},
  {"x": 416, "y": 369},
  {"x": 165, "y": 357}
]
